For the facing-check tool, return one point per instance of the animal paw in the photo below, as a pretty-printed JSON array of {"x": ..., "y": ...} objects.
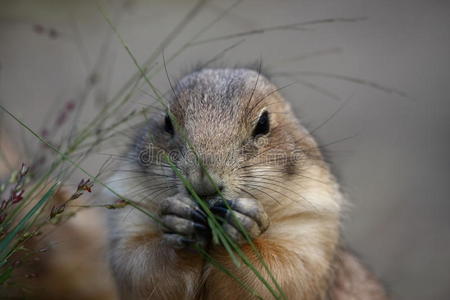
[
  {"x": 183, "y": 222},
  {"x": 246, "y": 215}
]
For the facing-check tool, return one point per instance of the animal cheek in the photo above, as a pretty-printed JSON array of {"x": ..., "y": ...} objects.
[{"x": 290, "y": 167}]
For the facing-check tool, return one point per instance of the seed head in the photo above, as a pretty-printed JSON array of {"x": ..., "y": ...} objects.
[
  {"x": 56, "y": 210},
  {"x": 24, "y": 170},
  {"x": 85, "y": 185},
  {"x": 17, "y": 197}
]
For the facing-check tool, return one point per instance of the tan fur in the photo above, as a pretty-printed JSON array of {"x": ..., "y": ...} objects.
[
  {"x": 303, "y": 204},
  {"x": 352, "y": 281}
]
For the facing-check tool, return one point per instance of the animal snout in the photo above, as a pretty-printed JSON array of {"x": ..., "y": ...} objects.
[{"x": 206, "y": 185}]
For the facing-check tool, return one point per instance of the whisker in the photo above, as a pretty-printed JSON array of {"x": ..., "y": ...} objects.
[
  {"x": 258, "y": 101},
  {"x": 253, "y": 185},
  {"x": 247, "y": 192},
  {"x": 254, "y": 88},
  {"x": 282, "y": 172},
  {"x": 269, "y": 181},
  {"x": 257, "y": 188},
  {"x": 263, "y": 186}
]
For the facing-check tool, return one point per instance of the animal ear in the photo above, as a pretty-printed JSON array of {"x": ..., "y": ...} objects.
[{"x": 263, "y": 125}]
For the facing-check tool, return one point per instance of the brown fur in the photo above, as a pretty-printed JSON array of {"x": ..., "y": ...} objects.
[{"x": 217, "y": 109}]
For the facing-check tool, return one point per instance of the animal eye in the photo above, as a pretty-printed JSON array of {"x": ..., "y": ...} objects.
[
  {"x": 263, "y": 125},
  {"x": 168, "y": 126}
]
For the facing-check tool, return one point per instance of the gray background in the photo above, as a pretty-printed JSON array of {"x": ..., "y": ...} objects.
[{"x": 395, "y": 168}]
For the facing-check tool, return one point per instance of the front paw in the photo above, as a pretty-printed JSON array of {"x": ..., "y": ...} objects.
[
  {"x": 183, "y": 222},
  {"x": 246, "y": 215}
]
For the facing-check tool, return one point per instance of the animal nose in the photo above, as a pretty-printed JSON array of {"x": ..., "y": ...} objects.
[
  {"x": 206, "y": 190},
  {"x": 205, "y": 186}
]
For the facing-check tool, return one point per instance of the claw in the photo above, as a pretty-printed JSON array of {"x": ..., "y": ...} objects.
[
  {"x": 200, "y": 227},
  {"x": 222, "y": 204},
  {"x": 199, "y": 216},
  {"x": 219, "y": 211},
  {"x": 186, "y": 242},
  {"x": 239, "y": 215},
  {"x": 177, "y": 241}
]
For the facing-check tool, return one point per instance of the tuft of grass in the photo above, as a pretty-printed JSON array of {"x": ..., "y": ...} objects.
[{"x": 5, "y": 245}]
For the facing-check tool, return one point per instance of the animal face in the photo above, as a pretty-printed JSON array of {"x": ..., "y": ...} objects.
[{"x": 226, "y": 130}]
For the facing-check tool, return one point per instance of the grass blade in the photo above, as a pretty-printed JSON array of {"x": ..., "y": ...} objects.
[
  {"x": 6, "y": 275},
  {"x": 4, "y": 244}
]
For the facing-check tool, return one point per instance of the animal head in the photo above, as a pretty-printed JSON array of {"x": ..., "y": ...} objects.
[{"x": 226, "y": 130}]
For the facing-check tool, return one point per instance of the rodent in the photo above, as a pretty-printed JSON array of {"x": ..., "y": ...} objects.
[{"x": 269, "y": 169}]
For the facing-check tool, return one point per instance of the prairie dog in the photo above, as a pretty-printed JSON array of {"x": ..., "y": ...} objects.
[{"x": 268, "y": 168}]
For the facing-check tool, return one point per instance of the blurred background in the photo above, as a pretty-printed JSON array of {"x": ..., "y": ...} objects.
[{"x": 383, "y": 65}]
